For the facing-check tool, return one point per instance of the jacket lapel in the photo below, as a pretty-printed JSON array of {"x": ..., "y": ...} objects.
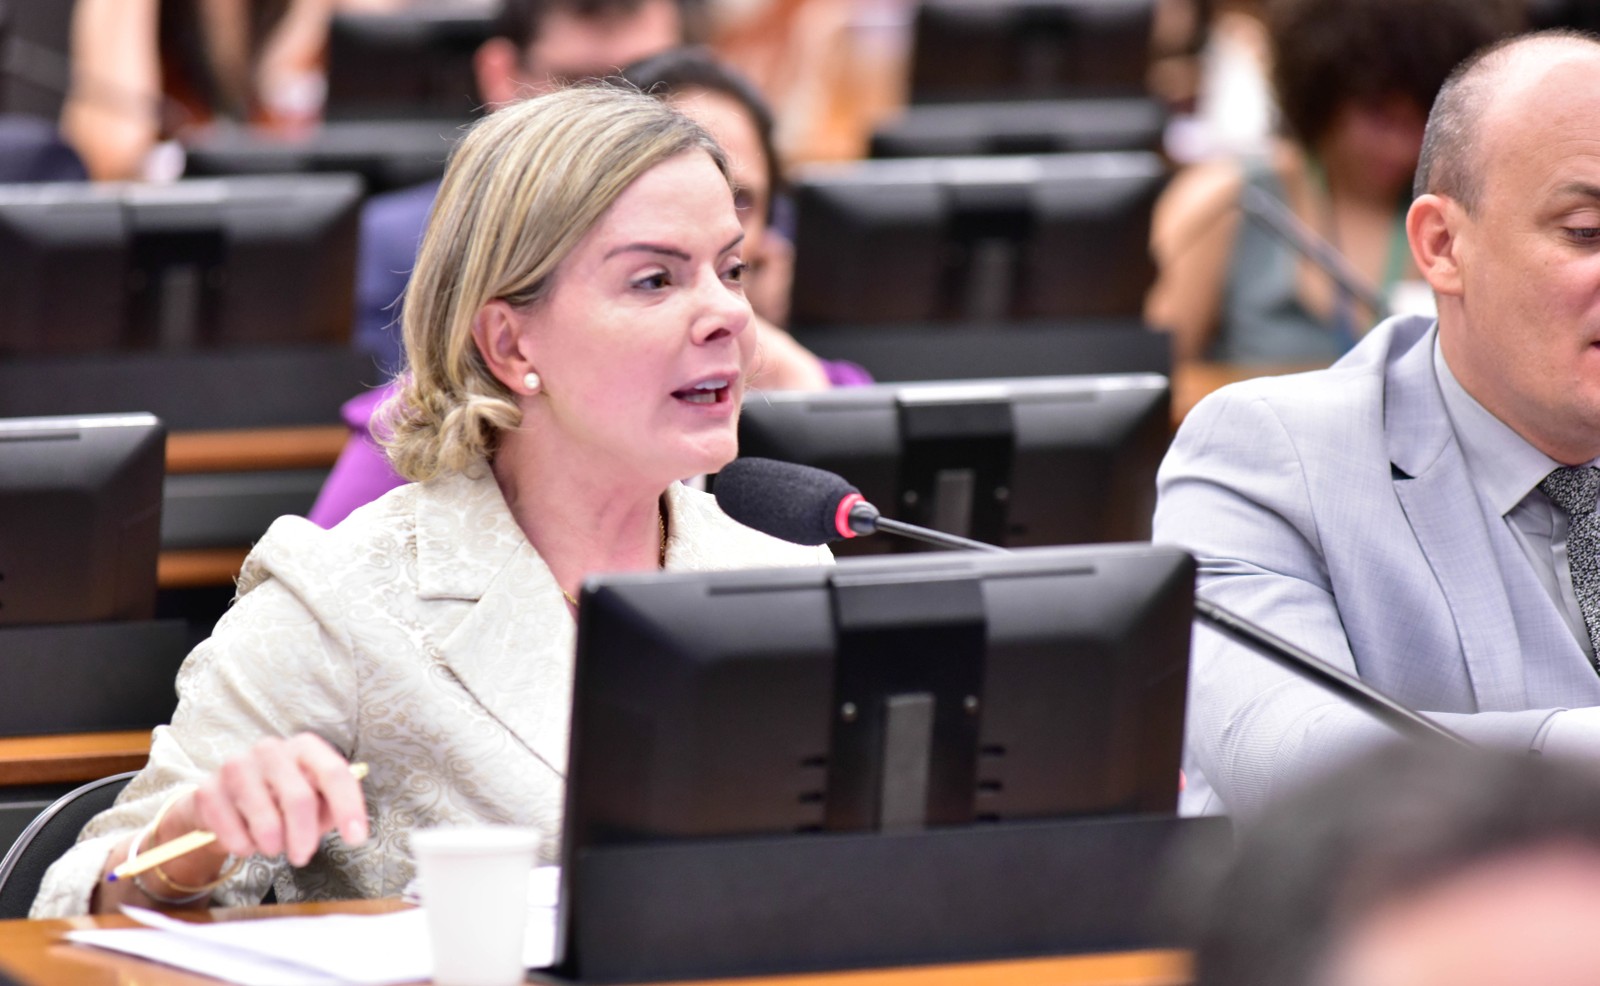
[
  {"x": 1441, "y": 505},
  {"x": 512, "y": 650}
]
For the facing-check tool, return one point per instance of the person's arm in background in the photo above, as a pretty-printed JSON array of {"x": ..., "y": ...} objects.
[
  {"x": 781, "y": 363},
  {"x": 290, "y": 76},
  {"x": 1191, "y": 240},
  {"x": 112, "y": 114}
]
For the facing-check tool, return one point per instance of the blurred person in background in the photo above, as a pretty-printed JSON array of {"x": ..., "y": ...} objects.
[
  {"x": 1418, "y": 865},
  {"x": 728, "y": 106},
  {"x": 148, "y": 71},
  {"x": 537, "y": 46},
  {"x": 1354, "y": 80}
]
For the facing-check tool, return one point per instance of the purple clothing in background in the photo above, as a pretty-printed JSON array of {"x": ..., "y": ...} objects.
[
  {"x": 363, "y": 473},
  {"x": 843, "y": 373}
]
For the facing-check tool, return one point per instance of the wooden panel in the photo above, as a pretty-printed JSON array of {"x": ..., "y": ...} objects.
[
  {"x": 255, "y": 449},
  {"x": 71, "y": 758},
  {"x": 191, "y": 568}
]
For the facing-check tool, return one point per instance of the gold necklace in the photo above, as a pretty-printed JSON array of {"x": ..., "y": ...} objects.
[{"x": 661, "y": 558}]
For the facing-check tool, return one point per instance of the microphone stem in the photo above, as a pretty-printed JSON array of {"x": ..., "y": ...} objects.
[
  {"x": 939, "y": 538},
  {"x": 1278, "y": 220}
]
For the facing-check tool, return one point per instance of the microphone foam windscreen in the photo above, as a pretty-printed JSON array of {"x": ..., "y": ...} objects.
[{"x": 786, "y": 500}]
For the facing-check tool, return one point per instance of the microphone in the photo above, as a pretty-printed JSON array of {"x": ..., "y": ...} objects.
[{"x": 806, "y": 505}]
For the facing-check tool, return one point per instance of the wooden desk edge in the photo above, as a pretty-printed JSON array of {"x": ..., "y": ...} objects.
[
  {"x": 188, "y": 568},
  {"x": 312, "y": 447},
  {"x": 71, "y": 757},
  {"x": 34, "y": 951}
]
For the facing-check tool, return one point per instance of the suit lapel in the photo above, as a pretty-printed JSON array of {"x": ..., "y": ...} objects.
[
  {"x": 1442, "y": 507},
  {"x": 512, "y": 651}
]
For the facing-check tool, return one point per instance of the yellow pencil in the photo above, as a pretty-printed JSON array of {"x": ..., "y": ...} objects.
[{"x": 186, "y": 843}]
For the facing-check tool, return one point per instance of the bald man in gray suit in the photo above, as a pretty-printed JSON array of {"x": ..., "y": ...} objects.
[{"x": 1392, "y": 513}]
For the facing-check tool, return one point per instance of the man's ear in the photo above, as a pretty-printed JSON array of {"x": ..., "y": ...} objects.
[
  {"x": 1434, "y": 227},
  {"x": 500, "y": 332},
  {"x": 497, "y": 64}
]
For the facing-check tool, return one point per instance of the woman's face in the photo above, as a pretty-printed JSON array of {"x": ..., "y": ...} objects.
[{"x": 644, "y": 340}]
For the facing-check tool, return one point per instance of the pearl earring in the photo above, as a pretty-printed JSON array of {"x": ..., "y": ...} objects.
[{"x": 532, "y": 382}]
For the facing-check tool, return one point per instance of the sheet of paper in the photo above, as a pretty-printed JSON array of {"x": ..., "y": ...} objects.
[{"x": 371, "y": 950}]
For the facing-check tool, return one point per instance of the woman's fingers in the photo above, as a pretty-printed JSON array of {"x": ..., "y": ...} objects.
[
  {"x": 244, "y": 785},
  {"x": 344, "y": 805},
  {"x": 214, "y": 809},
  {"x": 281, "y": 797},
  {"x": 297, "y": 803}
]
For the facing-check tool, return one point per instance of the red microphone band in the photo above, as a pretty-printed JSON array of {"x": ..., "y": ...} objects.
[{"x": 841, "y": 516}]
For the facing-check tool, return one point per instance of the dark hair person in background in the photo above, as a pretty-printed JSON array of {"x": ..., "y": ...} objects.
[
  {"x": 1416, "y": 866},
  {"x": 537, "y": 46},
  {"x": 1354, "y": 80},
  {"x": 728, "y": 105}
]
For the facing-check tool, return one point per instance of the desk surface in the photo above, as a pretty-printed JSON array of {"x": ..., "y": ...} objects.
[
  {"x": 33, "y": 952},
  {"x": 71, "y": 758}
]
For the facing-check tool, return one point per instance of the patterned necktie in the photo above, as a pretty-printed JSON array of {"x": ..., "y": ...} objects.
[{"x": 1574, "y": 490}]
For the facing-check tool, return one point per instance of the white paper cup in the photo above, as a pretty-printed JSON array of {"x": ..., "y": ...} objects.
[{"x": 475, "y": 892}]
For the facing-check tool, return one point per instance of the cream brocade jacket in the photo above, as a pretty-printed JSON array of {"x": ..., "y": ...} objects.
[{"x": 424, "y": 636}]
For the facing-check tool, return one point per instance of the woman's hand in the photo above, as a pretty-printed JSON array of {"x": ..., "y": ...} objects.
[{"x": 281, "y": 797}]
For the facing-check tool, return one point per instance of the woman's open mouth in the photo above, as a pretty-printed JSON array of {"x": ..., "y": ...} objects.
[{"x": 716, "y": 391}]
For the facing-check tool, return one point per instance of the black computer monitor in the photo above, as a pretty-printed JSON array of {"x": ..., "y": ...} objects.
[
  {"x": 387, "y": 154},
  {"x": 414, "y": 63},
  {"x": 1038, "y": 461},
  {"x": 974, "y": 50},
  {"x": 1055, "y": 126},
  {"x": 211, "y": 262},
  {"x": 80, "y": 499},
  {"x": 756, "y": 713},
  {"x": 991, "y": 239}
]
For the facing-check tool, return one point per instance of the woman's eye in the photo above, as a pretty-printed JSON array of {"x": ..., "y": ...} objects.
[
  {"x": 736, "y": 273},
  {"x": 1587, "y": 234},
  {"x": 652, "y": 282}
]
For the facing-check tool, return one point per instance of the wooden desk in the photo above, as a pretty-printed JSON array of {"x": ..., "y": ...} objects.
[
  {"x": 71, "y": 758},
  {"x": 33, "y": 952}
]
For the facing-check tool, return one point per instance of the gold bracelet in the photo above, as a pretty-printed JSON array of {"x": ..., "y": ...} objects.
[{"x": 230, "y": 866}]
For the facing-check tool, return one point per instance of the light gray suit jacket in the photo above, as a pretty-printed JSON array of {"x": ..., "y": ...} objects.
[{"x": 1335, "y": 509}]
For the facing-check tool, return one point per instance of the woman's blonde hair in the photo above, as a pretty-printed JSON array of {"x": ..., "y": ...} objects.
[{"x": 522, "y": 189}]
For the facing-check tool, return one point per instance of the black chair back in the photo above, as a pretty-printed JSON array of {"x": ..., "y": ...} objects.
[{"x": 48, "y": 838}]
